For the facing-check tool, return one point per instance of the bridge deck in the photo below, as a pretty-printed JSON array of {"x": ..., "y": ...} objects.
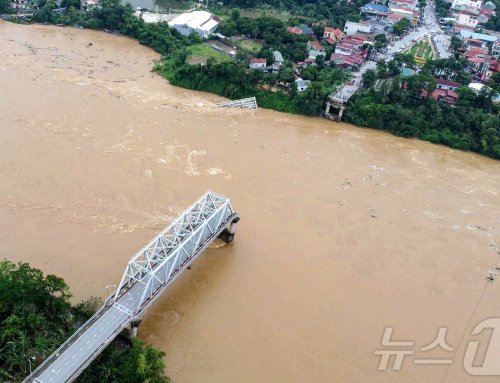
[{"x": 343, "y": 94}]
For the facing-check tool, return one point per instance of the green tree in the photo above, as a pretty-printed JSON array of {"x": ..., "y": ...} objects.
[
  {"x": 5, "y": 6},
  {"x": 235, "y": 15},
  {"x": 455, "y": 42},
  {"x": 36, "y": 317},
  {"x": 381, "y": 69},
  {"x": 380, "y": 41},
  {"x": 399, "y": 27},
  {"x": 369, "y": 78},
  {"x": 71, "y": 3}
]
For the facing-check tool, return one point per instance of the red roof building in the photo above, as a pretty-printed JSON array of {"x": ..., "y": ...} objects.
[
  {"x": 315, "y": 45},
  {"x": 295, "y": 30},
  {"x": 446, "y": 95},
  {"x": 333, "y": 33}
]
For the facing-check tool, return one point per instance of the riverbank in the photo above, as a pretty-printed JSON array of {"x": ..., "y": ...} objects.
[{"x": 233, "y": 79}]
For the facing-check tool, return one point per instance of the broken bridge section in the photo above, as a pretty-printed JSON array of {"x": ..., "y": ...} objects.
[{"x": 245, "y": 103}]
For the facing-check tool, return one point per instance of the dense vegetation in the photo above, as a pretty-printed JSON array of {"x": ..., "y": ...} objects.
[
  {"x": 401, "y": 26},
  {"x": 4, "y": 6},
  {"x": 36, "y": 317},
  {"x": 442, "y": 7},
  {"x": 335, "y": 11},
  {"x": 399, "y": 107},
  {"x": 271, "y": 31},
  {"x": 233, "y": 80}
]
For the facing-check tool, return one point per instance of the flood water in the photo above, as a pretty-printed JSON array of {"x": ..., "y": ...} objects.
[{"x": 344, "y": 231}]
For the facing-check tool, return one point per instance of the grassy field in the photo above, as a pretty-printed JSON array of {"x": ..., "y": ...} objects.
[
  {"x": 251, "y": 45},
  {"x": 203, "y": 51},
  {"x": 421, "y": 50}
]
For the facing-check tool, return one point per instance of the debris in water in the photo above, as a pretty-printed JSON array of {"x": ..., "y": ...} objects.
[{"x": 491, "y": 275}]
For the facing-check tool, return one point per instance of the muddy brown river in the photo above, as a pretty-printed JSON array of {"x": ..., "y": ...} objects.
[{"x": 344, "y": 231}]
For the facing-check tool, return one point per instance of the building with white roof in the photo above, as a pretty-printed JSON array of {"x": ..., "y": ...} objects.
[
  {"x": 201, "y": 22},
  {"x": 353, "y": 28},
  {"x": 467, "y": 20},
  {"x": 466, "y": 4}
]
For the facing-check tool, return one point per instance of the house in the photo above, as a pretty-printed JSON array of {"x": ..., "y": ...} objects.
[
  {"x": 315, "y": 49},
  {"x": 476, "y": 86},
  {"x": 402, "y": 3},
  {"x": 467, "y": 19},
  {"x": 302, "y": 85},
  {"x": 257, "y": 63},
  {"x": 444, "y": 95},
  {"x": 489, "y": 5},
  {"x": 495, "y": 49},
  {"x": 393, "y": 18},
  {"x": 476, "y": 52},
  {"x": 479, "y": 65},
  {"x": 277, "y": 61},
  {"x": 447, "y": 84},
  {"x": 352, "y": 28},
  {"x": 333, "y": 33},
  {"x": 404, "y": 12},
  {"x": 478, "y": 36},
  {"x": 294, "y": 30},
  {"x": 329, "y": 41},
  {"x": 278, "y": 58},
  {"x": 493, "y": 68},
  {"x": 345, "y": 49},
  {"x": 458, "y": 5},
  {"x": 200, "y": 22},
  {"x": 352, "y": 62},
  {"x": 484, "y": 15},
  {"x": 375, "y": 10},
  {"x": 379, "y": 26}
]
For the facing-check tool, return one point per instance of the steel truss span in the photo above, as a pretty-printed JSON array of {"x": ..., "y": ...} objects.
[{"x": 147, "y": 275}]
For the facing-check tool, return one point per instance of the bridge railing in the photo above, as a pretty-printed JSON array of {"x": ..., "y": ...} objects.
[
  {"x": 202, "y": 245},
  {"x": 156, "y": 262}
]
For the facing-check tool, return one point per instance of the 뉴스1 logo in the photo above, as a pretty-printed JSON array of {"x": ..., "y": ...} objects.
[{"x": 396, "y": 351}]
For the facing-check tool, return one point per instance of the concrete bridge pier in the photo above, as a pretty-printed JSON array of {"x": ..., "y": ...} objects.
[
  {"x": 227, "y": 234},
  {"x": 134, "y": 325},
  {"x": 331, "y": 114}
]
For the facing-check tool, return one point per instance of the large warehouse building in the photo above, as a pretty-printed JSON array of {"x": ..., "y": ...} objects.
[{"x": 201, "y": 22}]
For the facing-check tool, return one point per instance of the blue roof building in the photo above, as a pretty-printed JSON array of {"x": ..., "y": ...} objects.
[
  {"x": 478, "y": 36},
  {"x": 304, "y": 28},
  {"x": 373, "y": 8}
]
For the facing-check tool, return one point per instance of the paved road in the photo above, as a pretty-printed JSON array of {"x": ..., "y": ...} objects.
[{"x": 105, "y": 328}]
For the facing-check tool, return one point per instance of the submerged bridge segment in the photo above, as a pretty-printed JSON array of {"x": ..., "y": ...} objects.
[
  {"x": 245, "y": 103},
  {"x": 147, "y": 275}
]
